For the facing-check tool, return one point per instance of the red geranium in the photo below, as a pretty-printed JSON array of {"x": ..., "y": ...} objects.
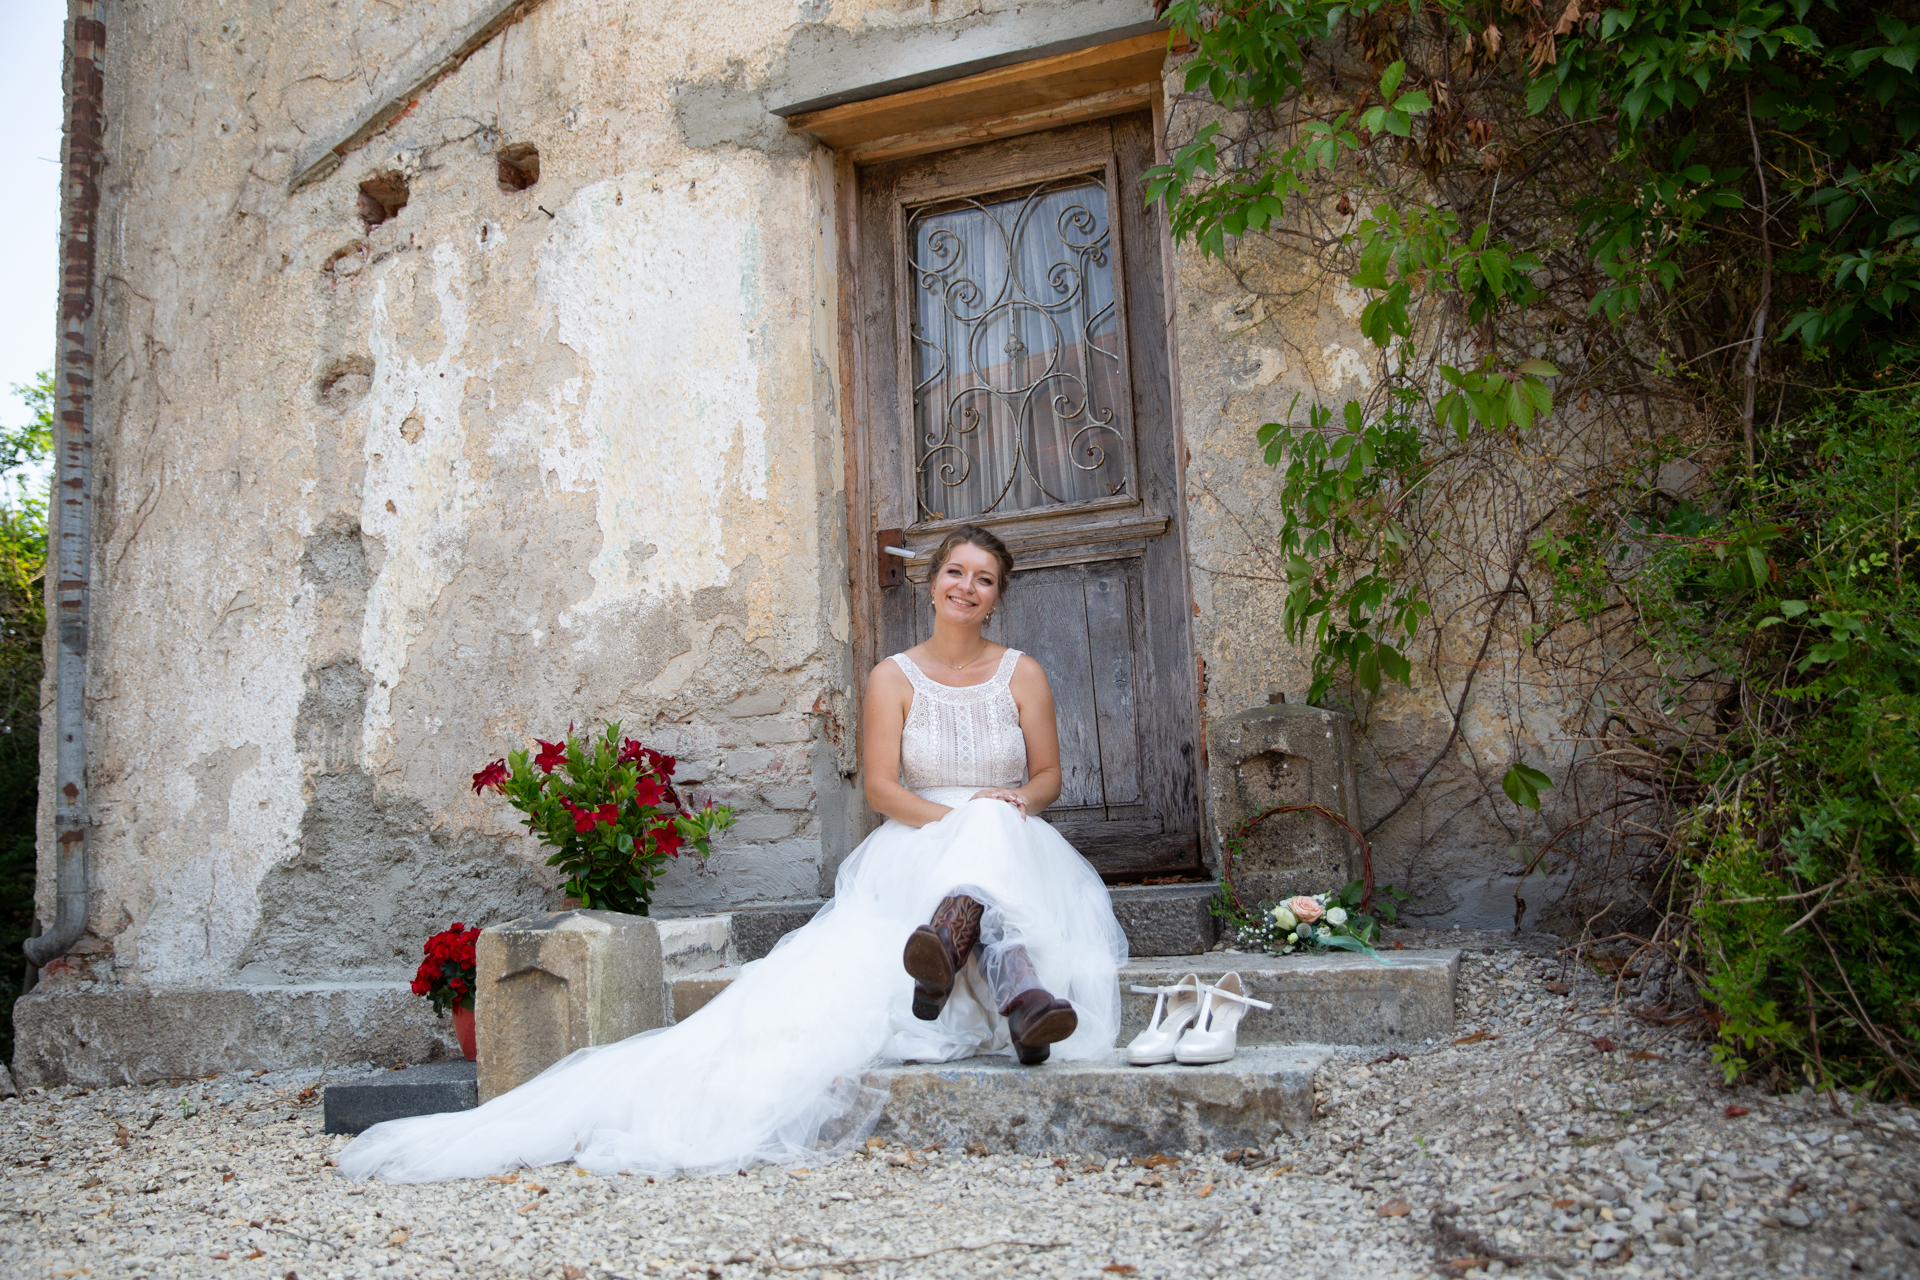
[
  {"x": 446, "y": 976},
  {"x": 491, "y": 776},
  {"x": 552, "y": 755}
]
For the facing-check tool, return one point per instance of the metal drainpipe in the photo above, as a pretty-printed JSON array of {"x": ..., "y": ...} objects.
[{"x": 74, "y": 484}]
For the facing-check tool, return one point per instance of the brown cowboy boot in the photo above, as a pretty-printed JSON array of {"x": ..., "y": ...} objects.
[
  {"x": 1038, "y": 1020},
  {"x": 1035, "y": 1017},
  {"x": 937, "y": 950}
]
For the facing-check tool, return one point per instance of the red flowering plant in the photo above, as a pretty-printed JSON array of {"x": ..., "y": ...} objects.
[
  {"x": 608, "y": 808},
  {"x": 446, "y": 975}
]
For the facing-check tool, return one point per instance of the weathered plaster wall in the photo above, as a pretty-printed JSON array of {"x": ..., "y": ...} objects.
[{"x": 378, "y": 503}]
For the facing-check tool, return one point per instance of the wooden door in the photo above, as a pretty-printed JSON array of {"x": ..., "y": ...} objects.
[{"x": 1013, "y": 364}]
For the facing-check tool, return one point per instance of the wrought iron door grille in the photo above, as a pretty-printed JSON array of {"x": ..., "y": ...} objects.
[{"x": 1019, "y": 389}]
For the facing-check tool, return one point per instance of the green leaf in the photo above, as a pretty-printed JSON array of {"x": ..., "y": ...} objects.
[
  {"x": 1390, "y": 79},
  {"x": 1413, "y": 103},
  {"x": 1523, "y": 785},
  {"x": 1539, "y": 95}
]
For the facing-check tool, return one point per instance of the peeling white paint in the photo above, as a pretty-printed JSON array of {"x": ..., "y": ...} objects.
[
  {"x": 1343, "y": 365},
  {"x": 416, "y": 495},
  {"x": 654, "y": 280}
]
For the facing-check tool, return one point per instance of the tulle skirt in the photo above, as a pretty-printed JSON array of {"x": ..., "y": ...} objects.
[{"x": 771, "y": 1069}]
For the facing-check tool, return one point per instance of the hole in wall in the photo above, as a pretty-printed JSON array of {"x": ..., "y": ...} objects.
[
  {"x": 381, "y": 196},
  {"x": 519, "y": 165},
  {"x": 345, "y": 382}
]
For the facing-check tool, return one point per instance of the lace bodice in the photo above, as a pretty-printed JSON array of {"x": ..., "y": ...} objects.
[{"x": 962, "y": 737}]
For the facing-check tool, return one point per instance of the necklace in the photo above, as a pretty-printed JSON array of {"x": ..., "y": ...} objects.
[{"x": 957, "y": 666}]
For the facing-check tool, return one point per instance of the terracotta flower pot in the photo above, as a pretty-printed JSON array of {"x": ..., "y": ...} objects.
[{"x": 463, "y": 1029}]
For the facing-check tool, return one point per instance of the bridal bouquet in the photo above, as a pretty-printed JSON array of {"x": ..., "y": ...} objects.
[
  {"x": 608, "y": 809},
  {"x": 1322, "y": 922}
]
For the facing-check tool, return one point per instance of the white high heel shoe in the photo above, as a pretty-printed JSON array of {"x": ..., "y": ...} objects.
[
  {"x": 1216, "y": 1033},
  {"x": 1171, "y": 1018}
]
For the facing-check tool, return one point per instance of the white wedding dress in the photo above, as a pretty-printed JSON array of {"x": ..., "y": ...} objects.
[{"x": 771, "y": 1069}]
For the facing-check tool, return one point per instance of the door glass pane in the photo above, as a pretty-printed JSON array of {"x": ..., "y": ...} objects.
[{"x": 1018, "y": 396}]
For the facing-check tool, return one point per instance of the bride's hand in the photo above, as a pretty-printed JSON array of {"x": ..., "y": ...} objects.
[{"x": 1012, "y": 797}]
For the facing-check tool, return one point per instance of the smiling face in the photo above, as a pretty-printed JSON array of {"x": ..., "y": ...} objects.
[{"x": 967, "y": 586}]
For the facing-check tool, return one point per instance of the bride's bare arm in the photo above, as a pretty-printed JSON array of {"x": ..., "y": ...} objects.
[
  {"x": 1034, "y": 696},
  {"x": 883, "y": 720}
]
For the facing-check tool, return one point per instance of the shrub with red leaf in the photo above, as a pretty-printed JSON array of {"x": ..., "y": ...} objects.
[{"x": 446, "y": 976}]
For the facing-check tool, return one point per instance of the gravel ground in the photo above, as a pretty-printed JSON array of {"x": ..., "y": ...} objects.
[{"x": 1562, "y": 1136}]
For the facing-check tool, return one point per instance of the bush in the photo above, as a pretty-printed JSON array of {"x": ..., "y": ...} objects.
[
  {"x": 1807, "y": 902},
  {"x": 23, "y": 621}
]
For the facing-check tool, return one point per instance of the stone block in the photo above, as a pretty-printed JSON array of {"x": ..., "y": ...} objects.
[
  {"x": 1290, "y": 753},
  {"x": 1166, "y": 919},
  {"x": 553, "y": 983},
  {"x": 1105, "y": 1105},
  {"x": 691, "y": 992},
  {"x": 1316, "y": 999},
  {"x": 757, "y": 929},
  {"x": 102, "y": 1035},
  {"x": 354, "y": 1106}
]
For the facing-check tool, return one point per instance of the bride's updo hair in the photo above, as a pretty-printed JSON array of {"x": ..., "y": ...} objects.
[{"x": 974, "y": 535}]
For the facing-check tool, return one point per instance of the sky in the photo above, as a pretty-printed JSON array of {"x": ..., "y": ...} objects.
[{"x": 30, "y": 52}]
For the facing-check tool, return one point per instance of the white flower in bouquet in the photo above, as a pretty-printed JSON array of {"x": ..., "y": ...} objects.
[
  {"x": 1323, "y": 932},
  {"x": 1293, "y": 937},
  {"x": 1285, "y": 918},
  {"x": 1336, "y": 915}
]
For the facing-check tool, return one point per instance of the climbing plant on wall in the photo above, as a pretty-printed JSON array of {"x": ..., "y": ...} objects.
[{"x": 1628, "y": 270}]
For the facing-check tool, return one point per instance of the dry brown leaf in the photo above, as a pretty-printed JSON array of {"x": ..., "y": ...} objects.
[
  {"x": 1493, "y": 38},
  {"x": 221, "y": 1256},
  {"x": 398, "y": 1237},
  {"x": 1120, "y": 1268},
  {"x": 91, "y": 1183},
  {"x": 1568, "y": 19},
  {"x": 571, "y": 1272},
  {"x": 1560, "y": 988},
  {"x": 504, "y": 1177},
  {"x": 257, "y": 1253},
  {"x": 1646, "y": 1055},
  {"x": 1156, "y": 1162},
  {"x": 1477, "y": 1037},
  {"x": 1395, "y": 1208},
  {"x": 1565, "y": 1204},
  {"x": 1204, "y": 1192}
]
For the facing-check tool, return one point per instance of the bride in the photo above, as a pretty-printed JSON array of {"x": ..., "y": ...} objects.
[{"x": 963, "y": 926}]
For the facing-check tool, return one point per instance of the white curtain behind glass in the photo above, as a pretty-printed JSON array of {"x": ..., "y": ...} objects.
[{"x": 1018, "y": 396}]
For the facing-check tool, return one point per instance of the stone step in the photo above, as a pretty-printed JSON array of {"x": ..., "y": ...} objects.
[
  {"x": 1159, "y": 920},
  {"x": 1324, "y": 999},
  {"x": 1104, "y": 1106},
  {"x": 353, "y": 1106}
]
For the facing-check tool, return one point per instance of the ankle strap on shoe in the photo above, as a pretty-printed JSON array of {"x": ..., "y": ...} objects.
[
  {"x": 1166, "y": 991},
  {"x": 1224, "y": 994}
]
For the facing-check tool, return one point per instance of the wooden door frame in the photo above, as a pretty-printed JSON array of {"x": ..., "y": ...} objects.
[{"x": 857, "y": 413}]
